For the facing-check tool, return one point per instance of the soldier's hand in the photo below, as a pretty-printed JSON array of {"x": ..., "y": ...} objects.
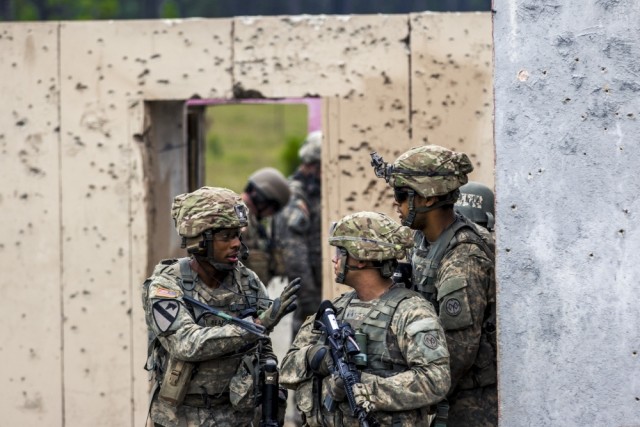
[
  {"x": 334, "y": 387},
  {"x": 281, "y": 306},
  {"x": 319, "y": 359},
  {"x": 363, "y": 397}
]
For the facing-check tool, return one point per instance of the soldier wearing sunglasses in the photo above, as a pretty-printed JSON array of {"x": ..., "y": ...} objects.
[{"x": 453, "y": 267}]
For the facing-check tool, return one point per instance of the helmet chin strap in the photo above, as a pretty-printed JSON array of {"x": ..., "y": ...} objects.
[
  {"x": 408, "y": 221},
  {"x": 208, "y": 244},
  {"x": 344, "y": 267}
]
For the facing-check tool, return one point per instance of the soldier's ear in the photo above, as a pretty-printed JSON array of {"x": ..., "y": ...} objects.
[{"x": 428, "y": 201}]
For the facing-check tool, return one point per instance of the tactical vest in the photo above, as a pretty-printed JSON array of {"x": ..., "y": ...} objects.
[
  {"x": 427, "y": 262},
  {"x": 425, "y": 271},
  {"x": 384, "y": 357},
  {"x": 156, "y": 360}
]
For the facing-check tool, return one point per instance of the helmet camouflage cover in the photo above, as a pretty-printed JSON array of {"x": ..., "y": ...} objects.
[
  {"x": 371, "y": 236},
  {"x": 431, "y": 170},
  {"x": 205, "y": 208}
]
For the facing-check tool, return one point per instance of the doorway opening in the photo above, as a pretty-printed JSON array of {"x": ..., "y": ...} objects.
[{"x": 230, "y": 139}]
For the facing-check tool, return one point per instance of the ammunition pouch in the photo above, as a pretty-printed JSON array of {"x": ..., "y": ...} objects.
[
  {"x": 175, "y": 381},
  {"x": 243, "y": 388}
]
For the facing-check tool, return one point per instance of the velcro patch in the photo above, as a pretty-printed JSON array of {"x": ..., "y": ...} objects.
[{"x": 165, "y": 313}]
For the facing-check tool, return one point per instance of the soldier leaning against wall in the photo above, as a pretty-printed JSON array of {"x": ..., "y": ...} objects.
[
  {"x": 453, "y": 267},
  {"x": 206, "y": 369}
]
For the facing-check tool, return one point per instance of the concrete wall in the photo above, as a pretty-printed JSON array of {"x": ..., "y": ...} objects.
[
  {"x": 566, "y": 132},
  {"x": 93, "y": 150}
]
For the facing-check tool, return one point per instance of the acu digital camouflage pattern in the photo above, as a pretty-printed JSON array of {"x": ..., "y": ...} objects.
[
  {"x": 371, "y": 236},
  {"x": 221, "y": 351},
  {"x": 431, "y": 170},
  {"x": 208, "y": 207},
  {"x": 407, "y": 370},
  {"x": 466, "y": 300},
  {"x": 310, "y": 151}
]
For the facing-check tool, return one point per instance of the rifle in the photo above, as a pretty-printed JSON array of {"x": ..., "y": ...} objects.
[
  {"x": 270, "y": 394},
  {"x": 258, "y": 330},
  {"x": 343, "y": 346}
]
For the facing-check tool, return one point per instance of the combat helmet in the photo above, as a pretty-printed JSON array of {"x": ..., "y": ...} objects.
[
  {"x": 200, "y": 214},
  {"x": 370, "y": 236},
  {"x": 427, "y": 170},
  {"x": 268, "y": 187},
  {"x": 476, "y": 203},
  {"x": 311, "y": 149}
]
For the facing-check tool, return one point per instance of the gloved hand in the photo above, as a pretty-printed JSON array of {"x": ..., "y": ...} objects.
[
  {"x": 281, "y": 306},
  {"x": 319, "y": 359},
  {"x": 363, "y": 397},
  {"x": 334, "y": 387}
]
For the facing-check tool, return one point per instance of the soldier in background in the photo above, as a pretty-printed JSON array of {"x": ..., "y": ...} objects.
[
  {"x": 453, "y": 267},
  {"x": 476, "y": 202},
  {"x": 299, "y": 225},
  {"x": 403, "y": 358},
  {"x": 266, "y": 193},
  {"x": 205, "y": 369}
]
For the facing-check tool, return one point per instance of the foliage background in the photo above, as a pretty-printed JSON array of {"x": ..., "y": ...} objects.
[
  {"x": 242, "y": 138},
  {"x": 32, "y": 10}
]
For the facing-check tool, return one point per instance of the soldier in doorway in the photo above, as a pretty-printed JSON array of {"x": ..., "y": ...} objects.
[
  {"x": 265, "y": 194},
  {"x": 453, "y": 267},
  {"x": 299, "y": 224},
  {"x": 206, "y": 368}
]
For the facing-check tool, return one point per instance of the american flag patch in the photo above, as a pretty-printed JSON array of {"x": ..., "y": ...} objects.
[{"x": 164, "y": 292}]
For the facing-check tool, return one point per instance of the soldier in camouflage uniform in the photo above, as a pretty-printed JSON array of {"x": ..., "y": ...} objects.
[
  {"x": 299, "y": 225},
  {"x": 266, "y": 193},
  {"x": 453, "y": 267},
  {"x": 407, "y": 363},
  {"x": 205, "y": 369}
]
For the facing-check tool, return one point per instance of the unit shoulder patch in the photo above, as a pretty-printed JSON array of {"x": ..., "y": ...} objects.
[{"x": 165, "y": 313}]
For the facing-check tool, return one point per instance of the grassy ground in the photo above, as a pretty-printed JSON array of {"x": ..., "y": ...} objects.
[{"x": 242, "y": 138}]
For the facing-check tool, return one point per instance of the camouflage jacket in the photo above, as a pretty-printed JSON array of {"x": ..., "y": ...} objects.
[
  {"x": 414, "y": 335},
  {"x": 220, "y": 350},
  {"x": 265, "y": 259},
  {"x": 299, "y": 231},
  {"x": 465, "y": 299}
]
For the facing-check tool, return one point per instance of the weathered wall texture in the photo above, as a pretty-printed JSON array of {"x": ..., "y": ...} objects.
[
  {"x": 93, "y": 150},
  {"x": 567, "y": 104}
]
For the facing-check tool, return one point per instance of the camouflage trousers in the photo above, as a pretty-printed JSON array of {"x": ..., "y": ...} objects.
[
  {"x": 477, "y": 407},
  {"x": 221, "y": 415}
]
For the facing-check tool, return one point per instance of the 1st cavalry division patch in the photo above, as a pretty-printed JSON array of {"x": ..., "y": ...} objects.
[{"x": 165, "y": 313}]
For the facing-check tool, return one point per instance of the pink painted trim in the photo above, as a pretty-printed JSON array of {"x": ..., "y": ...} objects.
[{"x": 314, "y": 106}]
